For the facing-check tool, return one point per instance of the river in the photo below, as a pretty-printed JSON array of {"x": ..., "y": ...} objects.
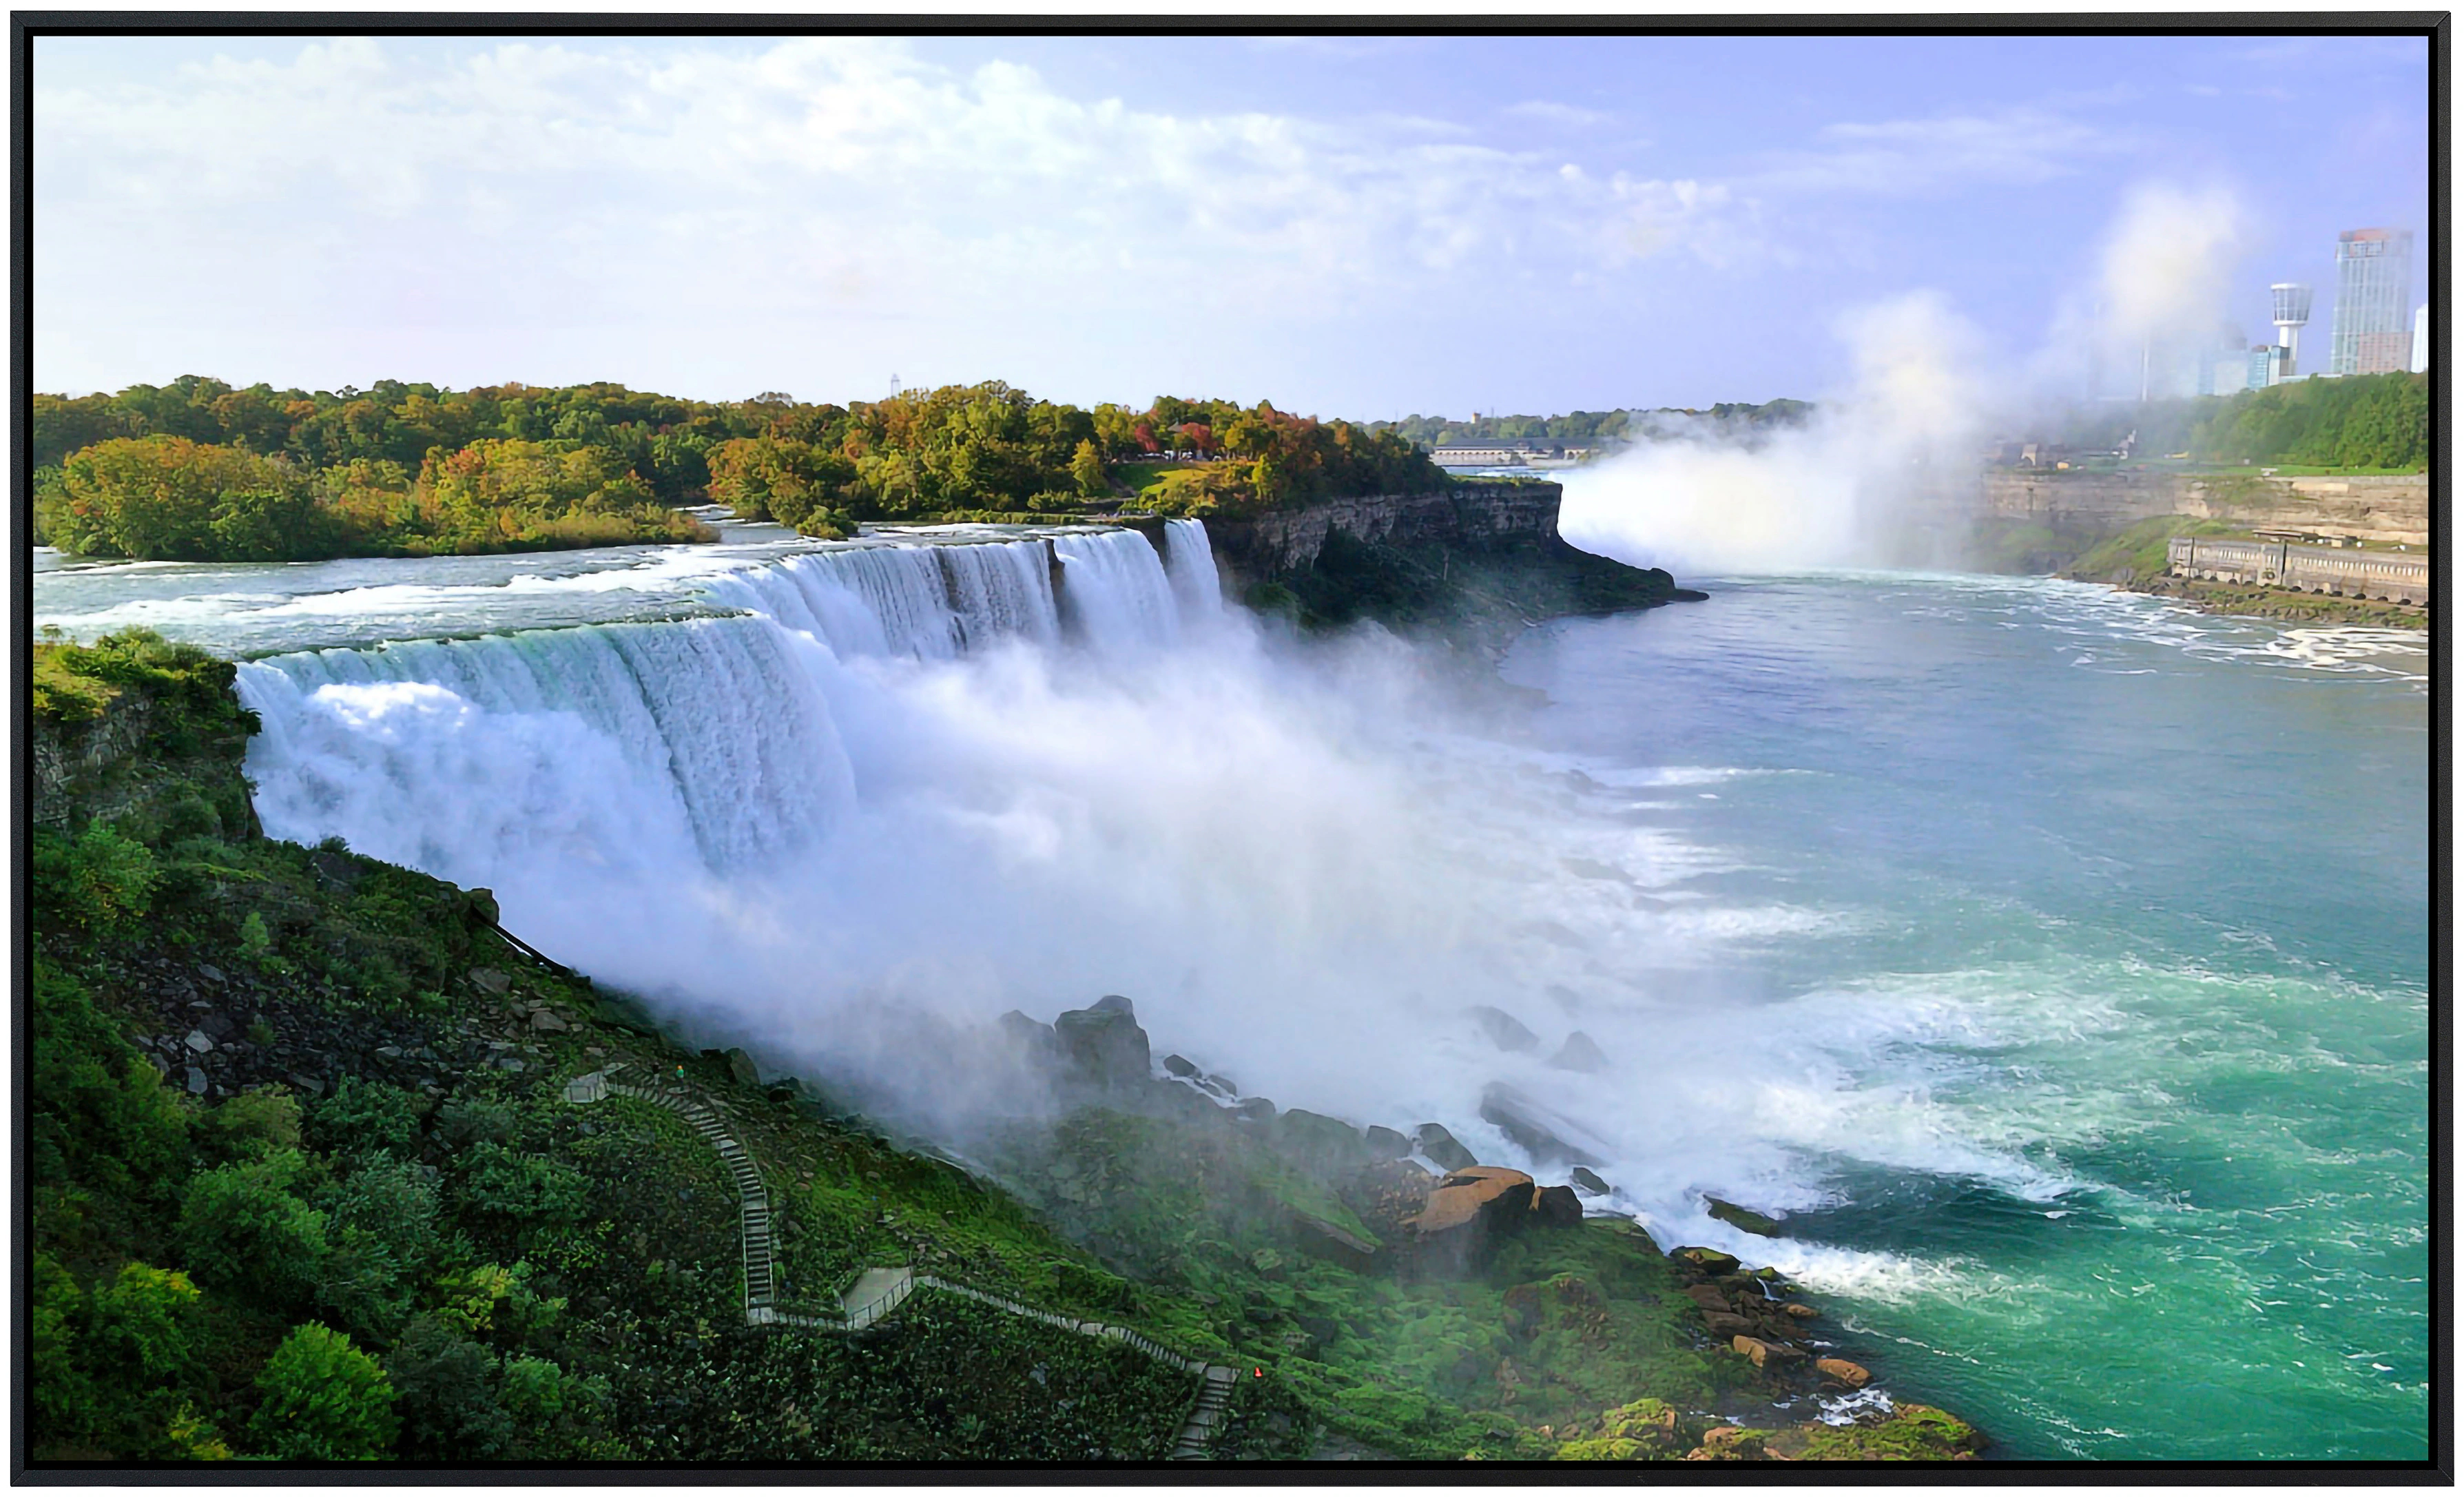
[{"x": 2054, "y": 962}]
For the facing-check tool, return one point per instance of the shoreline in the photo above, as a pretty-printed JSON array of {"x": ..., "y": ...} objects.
[{"x": 2281, "y": 605}]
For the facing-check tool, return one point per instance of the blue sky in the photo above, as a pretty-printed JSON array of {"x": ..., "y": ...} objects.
[{"x": 1351, "y": 226}]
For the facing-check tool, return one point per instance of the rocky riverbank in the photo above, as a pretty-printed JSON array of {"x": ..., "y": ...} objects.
[{"x": 2283, "y": 605}]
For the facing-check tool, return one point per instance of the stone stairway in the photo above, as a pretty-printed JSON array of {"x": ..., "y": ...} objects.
[
  {"x": 877, "y": 1292},
  {"x": 752, "y": 1201},
  {"x": 1198, "y": 1432}
]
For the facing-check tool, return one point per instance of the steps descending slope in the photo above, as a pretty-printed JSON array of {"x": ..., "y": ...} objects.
[{"x": 878, "y": 1292}]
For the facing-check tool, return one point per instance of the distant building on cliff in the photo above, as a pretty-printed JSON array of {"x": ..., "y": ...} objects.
[{"x": 2373, "y": 283}]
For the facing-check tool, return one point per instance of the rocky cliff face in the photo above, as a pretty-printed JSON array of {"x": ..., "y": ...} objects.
[
  {"x": 1473, "y": 515},
  {"x": 2393, "y": 509}
]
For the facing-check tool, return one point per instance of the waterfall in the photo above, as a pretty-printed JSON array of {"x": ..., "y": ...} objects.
[
  {"x": 646, "y": 746},
  {"x": 931, "y": 602},
  {"x": 1190, "y": 560},
  {"x": 1114, "y": 587},
  {"x": 705, "y": 741}
]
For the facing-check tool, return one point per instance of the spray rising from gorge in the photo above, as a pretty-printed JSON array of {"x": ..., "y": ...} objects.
[{"x": 1884, "y": 473}]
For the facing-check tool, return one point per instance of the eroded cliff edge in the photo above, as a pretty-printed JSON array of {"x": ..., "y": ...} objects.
[{"x": 1471, "y": 561}]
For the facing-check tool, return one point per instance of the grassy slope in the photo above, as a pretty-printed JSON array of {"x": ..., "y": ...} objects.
[{"x": 420, "y": 1183}]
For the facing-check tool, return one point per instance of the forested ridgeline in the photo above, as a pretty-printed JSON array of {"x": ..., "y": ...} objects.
[
  {"x": 199, "y": 471},
  {"x": 2377, "y": 422},
  {"x": 1599, "y": 428}
]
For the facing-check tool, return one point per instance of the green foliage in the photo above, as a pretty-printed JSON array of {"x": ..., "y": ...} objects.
[
  {"x": 512, "y": 1191},
  {"x": 252, "y": 1125},
  {"x": 198, "y": 469},
  {"x": 168, "y": 499},
  {"x": 96, "y": 881},
  {"x": 2137, "y": 554},
  {"x": 245, "y": 1232},
  {"x": 113, "y": 1369},
  {"x": 98, "y": 1116},
  {"x": 325, "y": 1399},
  {"x": 1087, "y": 466},
  {"x": 364, "y": 1116},
  {"x": 2371, "y": 421},
  {"x": 445, "y": 1390}
]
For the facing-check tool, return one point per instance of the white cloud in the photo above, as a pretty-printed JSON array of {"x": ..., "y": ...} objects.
[
  {"x": 833, "y": 177},
  {"x": 1914, "y": 156},
  {"x": 1550, "y": 112}
]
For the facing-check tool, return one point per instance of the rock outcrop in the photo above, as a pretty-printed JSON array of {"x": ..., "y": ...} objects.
[
  {"x": 1580, "y": 1053},
  {"x": 1502, "y": 1029},
  {"x": 1323, "y": 1146},
  {"x": 1471, "y": 514},
  {"x": 1743, "y": 1219},
  {"x": 1103, "y": 1045}
]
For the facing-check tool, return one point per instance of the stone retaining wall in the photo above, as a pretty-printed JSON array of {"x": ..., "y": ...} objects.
[{"x": 2351, "y": 574}]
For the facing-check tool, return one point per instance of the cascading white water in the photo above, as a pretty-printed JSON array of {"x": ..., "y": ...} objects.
[
  {"x": 931, "y": 602},
  {"x": 1189, "y": 557},
  {"x": 510, "y": 760},
  {"x": 468, "y": 758},
  {"x": 1116, "y": 592}
]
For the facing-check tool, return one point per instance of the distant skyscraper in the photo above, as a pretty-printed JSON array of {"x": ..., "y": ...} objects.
[
  {"x": 2373, "y": 281},
  {"x": 2421, "y": 339}
]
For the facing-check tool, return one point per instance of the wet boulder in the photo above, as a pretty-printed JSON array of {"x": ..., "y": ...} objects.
[
  {"x": 1556, "y": 1205},
  {"x": 1765, "y": 1354},
  {"x": 1103, "y": 1045},
  {"x": 1531, "y": 1129},
  {"x": 1580, "y": 1053},
  {"x": 1706, "y": 1259},
  {"x": 1180, "y": 1066},
  {"x": 1587, "y": 1181},
  {"x": 1467, "y": 1211},
  {"x": 1031, "y": 1038},
  {"x": 1845, "y": 1373},
  {"x": 1388, "y": 1196},
  {"x": 1440, "y": 1146},
  {"x": 1727, "y": 1325},
  {"x": 741, "y": 1068},
  {"x": 1743, "y": 1218},
  {"x": 1385, "y": 1143},
  {"x": 1502, "y": 1029},
  {"x": 1319, "y": 1145}
]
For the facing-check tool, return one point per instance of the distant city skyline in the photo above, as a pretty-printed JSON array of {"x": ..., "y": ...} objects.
[{"x": 1368, "y": 227}]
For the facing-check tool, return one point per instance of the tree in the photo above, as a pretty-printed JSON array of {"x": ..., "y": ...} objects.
[
  {"x": 1087, "y": 466},
  {"x": 101, "y": 1117},
  {"x": 446, "y": 1394},
  {"x": 244, "y": 1232},
  {"x": 170, "y": 498},
  {"x": 325, "y": 1399}
]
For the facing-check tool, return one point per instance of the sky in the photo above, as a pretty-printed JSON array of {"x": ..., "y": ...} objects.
[{"x": 1348, "y": 226}]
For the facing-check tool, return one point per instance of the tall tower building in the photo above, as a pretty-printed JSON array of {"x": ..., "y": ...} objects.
[
  {"x": 2292, "y": 307},
  {"x": 2421, "y": 339},
  {"x": 2373, "y": 293}
]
